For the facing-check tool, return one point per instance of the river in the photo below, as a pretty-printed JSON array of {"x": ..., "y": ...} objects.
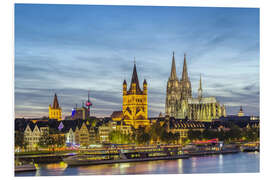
[{"x": 229, "y": 163}]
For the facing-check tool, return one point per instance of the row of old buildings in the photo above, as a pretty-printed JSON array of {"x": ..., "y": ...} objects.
[{"x": 83, "y": 133}]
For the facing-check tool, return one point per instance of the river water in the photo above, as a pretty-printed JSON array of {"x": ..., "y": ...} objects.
[{"x": 229, "y": 163}]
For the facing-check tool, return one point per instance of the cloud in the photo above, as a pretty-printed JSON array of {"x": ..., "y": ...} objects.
[{"x": 73, "y": 49}]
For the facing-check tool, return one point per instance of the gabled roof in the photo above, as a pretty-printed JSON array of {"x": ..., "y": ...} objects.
[
  {"x": 182, "y": 124},
  {"x": 117, "y": 114}
]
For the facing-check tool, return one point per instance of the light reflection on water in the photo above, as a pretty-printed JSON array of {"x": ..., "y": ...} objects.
[{"x": 230, "y": 163}]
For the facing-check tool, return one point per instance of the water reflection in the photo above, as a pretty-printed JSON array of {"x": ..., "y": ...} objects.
[
  {"x": 180, "y": 166},
  {"x": 230, "y": 163},
  {"x": 53, "y": 169}
]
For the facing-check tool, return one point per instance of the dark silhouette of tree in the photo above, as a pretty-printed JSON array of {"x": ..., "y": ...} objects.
[{"x": 19, "y": 140}]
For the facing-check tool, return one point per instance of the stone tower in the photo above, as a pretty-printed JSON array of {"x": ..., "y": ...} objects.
[
  {"x": 185, "y": 85},
  {"x": 55, "y": 111},
  {"x": 135, "y": 102},
  {"x": 184, "y": 93},
  {"x": 172, "y": 94}
]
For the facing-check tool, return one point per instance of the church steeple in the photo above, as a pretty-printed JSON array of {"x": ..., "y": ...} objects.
[
  {"x": 135, "y": 80},
  {"x": 185, "y": 82},
  {"x": 55, "y": 112},
  {"x": 184, "y": 72},
  {"x": 173, "y": 69},
  {"x": 55, "y": 102},
  {"x": 241, "y": 112}
]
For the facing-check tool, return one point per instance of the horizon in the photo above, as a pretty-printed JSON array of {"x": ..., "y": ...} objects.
[{"x": 91, "y": 48}]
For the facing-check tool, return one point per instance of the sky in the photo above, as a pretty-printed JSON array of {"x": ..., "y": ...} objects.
[{"x": 73, "y": 49}]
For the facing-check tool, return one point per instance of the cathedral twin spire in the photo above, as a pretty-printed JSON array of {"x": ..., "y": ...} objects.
[
  {"x": 184, "y": 72},
  {"x": 173, "y": 70}
]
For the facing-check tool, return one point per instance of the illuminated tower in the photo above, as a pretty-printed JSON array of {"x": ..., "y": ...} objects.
[
  {"x": 135, "y": 102},
  {"x": 55, "y": 111},
  {"x": 241, "y": 112},
  {"x": 88, "y": 105}
]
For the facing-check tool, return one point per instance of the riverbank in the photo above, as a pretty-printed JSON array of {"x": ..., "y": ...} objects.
[{"x": 223, "y": 163}]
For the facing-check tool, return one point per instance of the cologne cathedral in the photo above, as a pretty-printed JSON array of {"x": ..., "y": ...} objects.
[{"x": 181, "y": 105}]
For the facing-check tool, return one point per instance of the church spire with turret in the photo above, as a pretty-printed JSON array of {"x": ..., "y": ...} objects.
[
  {"x": 134, "y": 109},
  {"x": 55, "y": 111},
  {"x": 135, "y": 81}
]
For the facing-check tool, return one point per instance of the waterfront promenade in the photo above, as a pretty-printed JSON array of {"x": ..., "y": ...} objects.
[{"x": 228, "y": 163}]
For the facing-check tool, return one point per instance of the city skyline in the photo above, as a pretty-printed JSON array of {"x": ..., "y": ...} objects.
[{"x": 93, "y": 48}]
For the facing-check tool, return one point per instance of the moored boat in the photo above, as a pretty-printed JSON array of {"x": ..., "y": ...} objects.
[
  {"x": 25, "y": 167},
  {"x": 79, "y": 160}
]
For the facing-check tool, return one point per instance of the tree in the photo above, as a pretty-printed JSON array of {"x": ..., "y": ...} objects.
[
  {"x": 221, "y": 135},
  {"x": 19, "y": 140},
  {"x": 46, "y": 140},
  {"x": 59, "y": 140},
  {"x": 155, "y": 132},
  {"x": 194, "y": 135},
  {"x": 252, "y": 134},
  {"x": 234, "y": 133},
  {"x": 143, "y": 138}
]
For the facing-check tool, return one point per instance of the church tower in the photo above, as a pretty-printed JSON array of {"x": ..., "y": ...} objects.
[
  {"x": 184, "y": 93},
  {"x": 172, "y": 94},
  {"x": 55, "y": 111},
  {"x": 241, "y": 112},
  {"x": 185, "y": 85},
  {"x": 135, "y": 102}
]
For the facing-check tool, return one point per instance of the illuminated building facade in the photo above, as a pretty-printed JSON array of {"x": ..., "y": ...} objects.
[
  {"x": 55, "y": 111},
  {"x": 180, "y": 103},
  {"x": 135, "y": 102},
  {"x": 79, "y": 113},
  {"x": 33, "y": 132},
  {"x": 241, "y": 112},
  {"x": 82, "y": 134}
]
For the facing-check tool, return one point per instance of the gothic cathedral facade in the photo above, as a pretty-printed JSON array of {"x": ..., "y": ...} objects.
[{"x": 180, "y": 103}]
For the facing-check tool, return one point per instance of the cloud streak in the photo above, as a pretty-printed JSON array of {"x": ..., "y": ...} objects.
[{"x": 72, "y": 49}]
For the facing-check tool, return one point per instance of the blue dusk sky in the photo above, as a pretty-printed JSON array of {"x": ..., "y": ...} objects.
[{"x": 70, "y": 49}]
